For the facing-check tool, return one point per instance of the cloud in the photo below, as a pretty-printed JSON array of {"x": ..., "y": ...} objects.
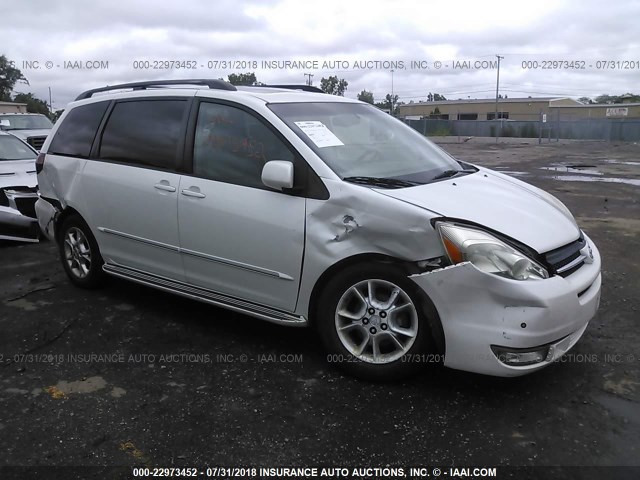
[{"x": 226, "y": 30}]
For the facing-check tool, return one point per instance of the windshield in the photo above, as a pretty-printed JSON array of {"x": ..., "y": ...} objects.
[
  {"x": 24, "y": 122},
  {"x": 361, "y": 142},
  {"x": 13, "y": 149}
]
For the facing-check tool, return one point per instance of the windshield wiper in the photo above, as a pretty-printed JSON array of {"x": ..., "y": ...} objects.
[
  {"x": 453, "y": 173},
  {"x": 381, "y": 182}
]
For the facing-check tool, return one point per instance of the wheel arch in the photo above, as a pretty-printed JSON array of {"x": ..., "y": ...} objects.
[
  {"x": 408, "y": 267},
  {"x": 66, "y": 213},
  {"x": 61, "y": 217}
]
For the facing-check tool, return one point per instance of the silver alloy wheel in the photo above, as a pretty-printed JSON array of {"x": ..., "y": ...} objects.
[
  {"x": 77, "y": 252},
  {"x": 376, "y": 321}
]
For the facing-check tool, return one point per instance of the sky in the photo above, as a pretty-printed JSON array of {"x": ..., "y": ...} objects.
[{"x": 360, "y": 41}]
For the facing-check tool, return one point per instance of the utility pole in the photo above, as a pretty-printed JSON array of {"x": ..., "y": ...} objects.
[
  {"x": 392, "y": 98},
  {"x": 497, "y": 89},
  {"x": 308, "y": 75},
  {"x": 50, "y": 104}
]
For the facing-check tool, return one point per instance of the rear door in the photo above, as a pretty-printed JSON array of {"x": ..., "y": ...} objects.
[
  {"x": 237, "y": 236},
  {"x": 131, "y": 184}
]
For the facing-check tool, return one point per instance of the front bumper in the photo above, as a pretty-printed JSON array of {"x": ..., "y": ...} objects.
[
  {"x": 479, "y": 310},
  {"x": 17, "y": 227}
]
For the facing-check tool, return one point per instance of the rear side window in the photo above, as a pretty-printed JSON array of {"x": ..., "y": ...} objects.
[
  {"x": 145, "y": 133},
  {"x": 75, "y": 136}
]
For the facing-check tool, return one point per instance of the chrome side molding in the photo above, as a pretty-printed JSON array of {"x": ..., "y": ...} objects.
[
  {"x": 206, "y": 256},
  {"x": 208, "y": 296}
]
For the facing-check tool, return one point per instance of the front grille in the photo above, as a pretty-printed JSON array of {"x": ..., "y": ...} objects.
[
  {"x": 36, "y": 142},
  {"x": 26, "y": 206},
  {"x": 567, "y": 259}
]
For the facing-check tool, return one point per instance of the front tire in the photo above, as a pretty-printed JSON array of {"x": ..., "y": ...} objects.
[
  {"x": 79, "y": 253},
  {"x": 373, "y": 322}
]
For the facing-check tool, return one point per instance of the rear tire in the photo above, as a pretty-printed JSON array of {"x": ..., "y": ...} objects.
[
  {"x": 373, "y": 322},
  {"x": 79, "y": 253}
]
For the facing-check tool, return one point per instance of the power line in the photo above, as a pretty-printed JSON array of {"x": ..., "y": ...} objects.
[{"x": 309, "y": 76}]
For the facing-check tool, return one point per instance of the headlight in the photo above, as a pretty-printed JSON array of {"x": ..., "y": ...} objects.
[{"x": 486, "y": 252}]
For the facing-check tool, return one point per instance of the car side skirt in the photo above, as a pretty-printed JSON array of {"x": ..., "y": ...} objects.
[{"x": 197, "y": 293}]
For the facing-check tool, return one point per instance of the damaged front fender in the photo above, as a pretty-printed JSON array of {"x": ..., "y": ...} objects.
[{"x": 358, "y": 220}]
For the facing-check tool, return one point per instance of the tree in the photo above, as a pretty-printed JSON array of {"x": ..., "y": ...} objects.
[
  {"x": 627, "y": 97},
  {"x": 9, "y": 76},
  {"x": 34, "y": 105},
  {"x": 585, "y": 100},
  {"x": 365, "y": 96},
  {"x": 386, "y": 104},
  {"x": 604, "y": 98},
  {"x": 435, "y": 97},
  {"x": 242, "y": 78},
  {"x": 334, "y": 85},
  {"x": 56, "y": 115}
]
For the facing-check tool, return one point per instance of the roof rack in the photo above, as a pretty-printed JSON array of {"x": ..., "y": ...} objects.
[
  {"x": 306, "y": 88},
  {"x": 215, "y": 84}
]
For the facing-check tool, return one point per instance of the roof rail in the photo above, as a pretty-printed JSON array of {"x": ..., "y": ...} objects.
[
  {"x": 215, "y": 84},
  {"x": 306, "y": 88}
]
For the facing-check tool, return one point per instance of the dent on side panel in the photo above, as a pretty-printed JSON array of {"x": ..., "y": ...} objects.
[
  {"x": 357, "y": 220},
  {"x": 60, "y": 183},
  {"x": 46, "y": 215}
]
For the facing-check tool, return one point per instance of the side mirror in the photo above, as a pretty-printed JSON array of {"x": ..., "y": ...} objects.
[{"x": 278, "y": 174}]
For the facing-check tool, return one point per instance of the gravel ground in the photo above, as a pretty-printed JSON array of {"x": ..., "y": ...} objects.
[{"x": 176, "y": 383}]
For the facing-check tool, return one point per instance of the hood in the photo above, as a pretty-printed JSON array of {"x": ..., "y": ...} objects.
[
  {"x": 504, "y": 204},
  {"x": 18, "y": 173},
  {"x": 24, "y": 134}
]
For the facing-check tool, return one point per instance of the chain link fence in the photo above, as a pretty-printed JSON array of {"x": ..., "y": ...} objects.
[{"x": 618, "y": 130}]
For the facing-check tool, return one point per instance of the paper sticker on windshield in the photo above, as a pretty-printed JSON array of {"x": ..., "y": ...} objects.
[{"x": 319, "y": 134}]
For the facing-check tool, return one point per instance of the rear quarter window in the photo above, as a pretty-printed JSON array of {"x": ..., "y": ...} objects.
[{"x": 75, "y": 136}]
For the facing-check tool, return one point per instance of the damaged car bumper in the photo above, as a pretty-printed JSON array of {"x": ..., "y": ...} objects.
[
  {"x": 18, "y": 227},
  {"x": 498, "y": 326},
  {"x": 46, "y": 215},
  {"x": 17, "y": 217}
]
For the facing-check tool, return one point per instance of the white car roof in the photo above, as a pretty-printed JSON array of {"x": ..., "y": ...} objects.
[
  {"x": 246, "y": 93},
  {"x": 282, "y": 95}
]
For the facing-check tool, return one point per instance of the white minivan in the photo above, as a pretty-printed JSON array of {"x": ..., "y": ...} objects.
[{"x": 303, "y": 208}]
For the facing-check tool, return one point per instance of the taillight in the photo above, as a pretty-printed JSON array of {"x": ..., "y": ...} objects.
[{"x": 40, "y": 162}]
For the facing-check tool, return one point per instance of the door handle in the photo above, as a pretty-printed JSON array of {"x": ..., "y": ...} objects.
[
  {"x": 193, "y": 193},
  {"x": 165, "y": 186}
]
